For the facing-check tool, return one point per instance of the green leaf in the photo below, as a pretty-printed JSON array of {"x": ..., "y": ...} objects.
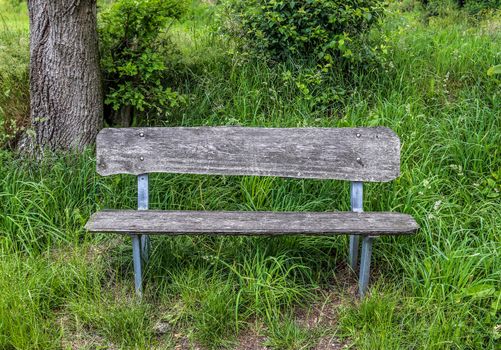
[
  {"x": 494, "y": 70},
  {"x": 479, "y": 291}
]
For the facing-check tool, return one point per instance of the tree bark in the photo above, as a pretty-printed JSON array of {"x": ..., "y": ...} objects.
[{"x": 65, "y": 81}]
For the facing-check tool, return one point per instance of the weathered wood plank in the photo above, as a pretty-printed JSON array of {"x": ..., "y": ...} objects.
[
  {"x": 250, "y": 223},
  {"x": 356, "y": 154}
]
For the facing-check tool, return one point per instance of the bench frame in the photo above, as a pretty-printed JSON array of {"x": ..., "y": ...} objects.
[{"x": 141, "y": 242}]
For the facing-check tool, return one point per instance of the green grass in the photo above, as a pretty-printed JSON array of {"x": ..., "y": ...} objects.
[
  {"x": 63, "y": 288},
  {"x": 14, "y": 60}
]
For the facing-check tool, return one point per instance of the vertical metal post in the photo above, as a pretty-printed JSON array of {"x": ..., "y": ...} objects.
[
  {"x": 365, "y": 265},
  {"x": 142, "y": 204},
  {"x": 357, "y": 195},
  {"x": 136, "y": 256}
]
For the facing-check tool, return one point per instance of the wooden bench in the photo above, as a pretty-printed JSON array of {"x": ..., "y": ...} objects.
[{"x": 355, "y": 154}]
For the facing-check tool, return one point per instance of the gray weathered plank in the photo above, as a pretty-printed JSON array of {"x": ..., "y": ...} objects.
[
  {"x": 252, "y": 223},
  {"x": 356, "y": 154}
]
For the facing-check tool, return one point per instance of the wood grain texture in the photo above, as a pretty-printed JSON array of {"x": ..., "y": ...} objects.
[
  {"x": 356, "y": 154},
  {"x": 250, "y": 223}
]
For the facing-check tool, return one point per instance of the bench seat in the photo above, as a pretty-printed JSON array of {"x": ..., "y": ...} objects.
[{"x": 250, "y": 222}]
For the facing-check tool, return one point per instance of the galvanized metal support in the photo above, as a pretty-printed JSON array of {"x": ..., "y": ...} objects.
[
  {"x": 140, "y": 243},
  {"x": 365, "y": 265},
  {"x": 142, "y": 204},
  {"x": 136, "y": 256},
  {"x": 357, "y": 195}
]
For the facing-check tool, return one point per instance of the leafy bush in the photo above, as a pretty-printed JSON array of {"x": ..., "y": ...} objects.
[
  {"x": 134, "y": 54},
  {"x": 477, "y": 6},
  {"x": 319, "y": 43},
  {"x": 327, "y": 31},
  {"x": 473, "y": 7}
]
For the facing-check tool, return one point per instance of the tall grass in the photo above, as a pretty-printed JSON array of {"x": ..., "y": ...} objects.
[
  {"x": 14, "y": 84},
  {"x": 63, "y": 288}
]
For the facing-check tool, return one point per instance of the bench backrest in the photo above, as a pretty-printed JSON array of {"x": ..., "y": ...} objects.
[{"x": 355, "y": 154}]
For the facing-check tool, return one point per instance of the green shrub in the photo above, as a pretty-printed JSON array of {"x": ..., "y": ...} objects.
[
  {"x": 472, "y": 7},
  {"x": 478, "y": 6},
  {"x": 135, "y": 52},
  {"x": 327, "y": 31}
]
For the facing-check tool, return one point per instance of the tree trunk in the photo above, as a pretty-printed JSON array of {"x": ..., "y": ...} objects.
[{"x": 65, "y": 80}]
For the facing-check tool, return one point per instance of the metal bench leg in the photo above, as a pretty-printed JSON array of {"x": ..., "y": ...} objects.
[
  {"x": 356, "y": 199},
  {"x": 145, "y": 248},
  {"x": 353, "y": 259},
  {"x": 365, "y": 265},
  {"x": 142, "y": 204},
  {"x": 136, "y": 256}
]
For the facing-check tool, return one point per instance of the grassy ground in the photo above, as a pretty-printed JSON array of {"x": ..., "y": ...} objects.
[{"x": 63, "y": 288}]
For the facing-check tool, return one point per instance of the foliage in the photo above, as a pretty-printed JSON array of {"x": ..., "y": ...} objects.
[
  {"x": 135, "y": 53},
  {"x": 494, "y": 70},
  {"x": 14, "y": 92},
  {"x": 472, "y": 7},
  {"x": 318, "y": 41},
  {"x": 477, "y": 6},
  {"x": 15, "y": 3},
  {"x": 64, "y": 288},
  {"x": 14, "y": 79},
  {"x": 327, "y": 31}
]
